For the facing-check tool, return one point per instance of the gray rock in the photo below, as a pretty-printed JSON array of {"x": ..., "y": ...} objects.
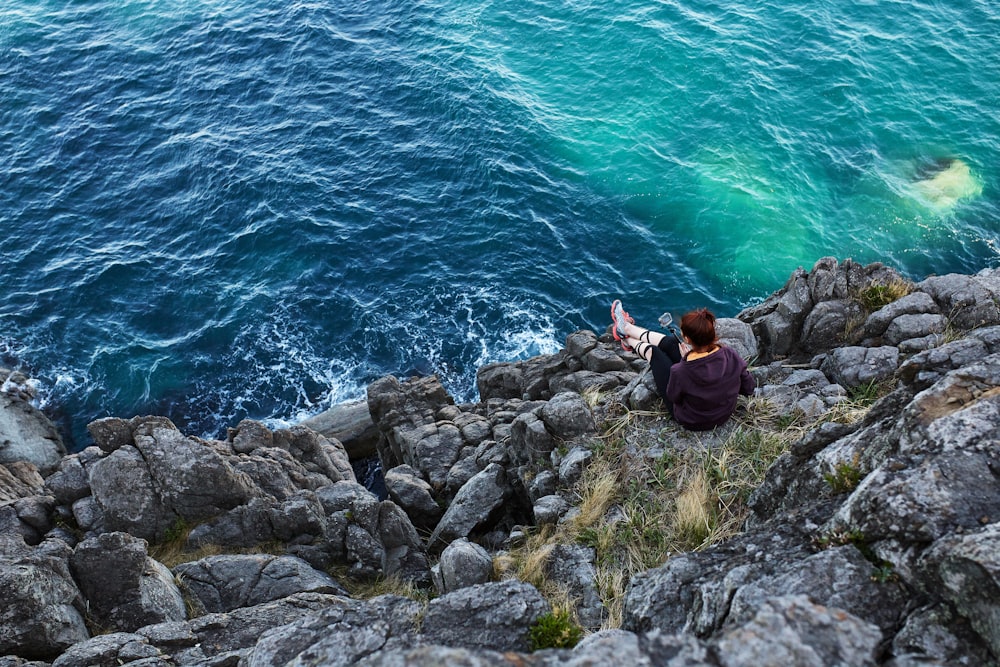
[
  {"x": 567, "y": 415},
  {"x": 404, "y": 556},
  {"x": 811, "y": 406},
  {"x": 603, "y": 360},
  {"x": 580, "y": 343},
  {"x": 459, "y": 474},
  {"x": 970, "y": 301},
  {"x": 488, "y": 616},
  {"x": 414, "y": 495},
  {"x": 340, "y": 635},
  {"x": 572, "y": 568},
  {"x": 944, "y": 493},
  {"x": 250, "y": 435},
  {"x": 87, "y": 513},
  {"x": 317, "y": 453},
  {"x": 432, "y": 449},
  {"x": 965, "y": 571},
  {"x": 349, "y": 423},
  {"x": 224, "y": 583},
  {"x": 463, "y": 563},
  {"x": 855, "y": 366},
  {"x": 397, "y": 408},
  {"x": 924, "y": 369},
  {"x": 936, "y": 633},
  {"x": 573, "y": 464},
  {"x": 212, "y": 636},
  {"x": 839, "y": 577},
  {"x": 42, "y": 611},
  {"x": 530, "y": 441},
  {"x": 542, "y": 484},
  {"x": 124, "y": 588},
  {"x": 906, "y": 327},
  {"x": 548, "y": 510},
  {"x": 69, "y": 482},
  {"x": 778, "y": 321},
  {"x": 111, "y": 433},
  {"x": 109, "y": 650},
  {"x": 825, "y": 326},
  {"x": 806, "y": 380},
  {"x": 737, "y": 335},
  {"x": 794, "y": 630},
  {"x": 915, "y": 303},
  {"x": 28, "y": 435},
  {"x": 144, "y": 489},
  {"x": 343, "y": 496},
  {"x": 19, "y": 479},
  {"x": 483, "y": 495}
]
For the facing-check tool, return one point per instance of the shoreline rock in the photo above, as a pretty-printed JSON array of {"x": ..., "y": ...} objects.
[{"x": 897, "y": 568}]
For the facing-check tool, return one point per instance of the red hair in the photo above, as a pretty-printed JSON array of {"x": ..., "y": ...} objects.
[{"x": 699, "y": 327}]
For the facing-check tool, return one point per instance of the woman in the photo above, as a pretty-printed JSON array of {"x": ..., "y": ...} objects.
[{"x": 699, "y": 381}]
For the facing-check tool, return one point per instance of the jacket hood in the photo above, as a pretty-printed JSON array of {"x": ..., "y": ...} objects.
[{"x": 714, "y": 368}]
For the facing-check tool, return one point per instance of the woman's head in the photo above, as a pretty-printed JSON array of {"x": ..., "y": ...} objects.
[{"x": 699, "y": 327}]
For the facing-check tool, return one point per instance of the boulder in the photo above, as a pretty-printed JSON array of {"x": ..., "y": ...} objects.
[
  {"x": 408, "y": 490},
  {"x": 572, "y": 568},
  {"x": 42, "y": 611},
  {"x": 111, "y": 650},
  {"x": 163, "y": 478},
  {"x": 567, "y": 415},
  {"x": 26, "y": 434},
  {"x": 487, "y": 616},
  {"x": 341, "y": 634},
  {"x": 915, "y": 303},
  {"x": 228, "y": 638},
  {"x": 473, "y": 507},
  {"x": 965, "y": 571},
  {"x": 969, "y": 301},
  {"x": 123, "y": 587},
  {"x": 19, "y": 479},
  {"x": 854, "y": 366},
  {"x": 224, "y": 583},
  {"x": 463, "y": 563},
  {"x": 351, "y": 424},
  {"x": 795, "y": 630},
  {"x": 737, "y": 335}
]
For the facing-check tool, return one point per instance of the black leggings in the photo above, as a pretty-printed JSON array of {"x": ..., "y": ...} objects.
[{"x": 662, "y": 357}]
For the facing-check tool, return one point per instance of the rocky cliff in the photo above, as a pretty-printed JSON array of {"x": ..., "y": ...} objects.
[{"x": 871, "y": 537}]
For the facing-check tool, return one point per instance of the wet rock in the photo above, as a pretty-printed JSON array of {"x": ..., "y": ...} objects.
[{"x": 26, "y": 434}]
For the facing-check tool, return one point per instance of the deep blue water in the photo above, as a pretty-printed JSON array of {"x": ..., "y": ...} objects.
[{"x": 217, "y": 210}]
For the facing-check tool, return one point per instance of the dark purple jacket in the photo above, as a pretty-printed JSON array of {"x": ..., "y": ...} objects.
[{"x": 704, "y": 391}]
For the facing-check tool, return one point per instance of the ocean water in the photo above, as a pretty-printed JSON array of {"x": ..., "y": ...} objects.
[{"x": 218, "y": 210}]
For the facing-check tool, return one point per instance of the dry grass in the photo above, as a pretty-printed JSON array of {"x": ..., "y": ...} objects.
[
  {"x": 875, "y": 295},
  {"x": 653, "y": 490}
]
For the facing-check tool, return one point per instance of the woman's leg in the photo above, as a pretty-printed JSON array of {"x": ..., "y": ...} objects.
[{"x": 642, "y": 340}]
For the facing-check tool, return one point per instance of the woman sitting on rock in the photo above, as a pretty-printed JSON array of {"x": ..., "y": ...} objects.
[{"x": 700, "y": 379}]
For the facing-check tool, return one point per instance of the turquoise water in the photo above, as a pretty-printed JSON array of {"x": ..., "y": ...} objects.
[{"x": 217, "y": 210}]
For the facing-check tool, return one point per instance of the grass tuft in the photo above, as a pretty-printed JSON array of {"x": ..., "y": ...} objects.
[
  {"x": 555, "y": 630},
  {"x": 876, "y": 295}
]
